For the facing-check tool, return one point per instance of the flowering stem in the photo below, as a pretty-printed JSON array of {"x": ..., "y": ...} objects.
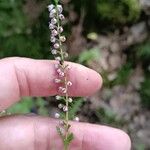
[
  {"x": 56, "y": 30},
  {"x": 65, "y": 83}
]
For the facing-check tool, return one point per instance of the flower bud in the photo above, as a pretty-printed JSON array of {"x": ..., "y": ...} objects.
[
  {"x": 53, "y": 39},
  {"x": 60, "y": 9},
  {"x": 57, "y": 115},
  {"x": 56, "y": 66},
  {"x": 65, "y": 55},
  {"x": 52, "y": 13},
  {"x": 65, "y": 108},
  {"x": 60, "y": 30},
  {"x": 50, "y": 7},
  {"x": 61, "y": 17},
  {"x": 51, "y": 26},
  {"x": 69, "y": 83},
  {"x": 63, "y": 38},
  {"x": 54, "y": 51},
  {"x": 54, "y": 32},
  {"x": 59, "y": 70},
  {"x": 60, "y": 106},
  {"x": 54, "y": 21},
  {"x": 56, "y": 45},
  {"x": 76, "y": 119},
  {"x": 62, "y": 90},
  {"x": 57, "y": 80},
  {"x": 58, "y": 97},
  {"x": 70, "y": 100},
  {"x": 61, "y": 74},
  {"x": 58, "y": 58}
]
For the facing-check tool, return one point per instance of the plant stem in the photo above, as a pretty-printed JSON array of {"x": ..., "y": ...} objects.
[
  {"x": 67, "y": 105},
  {"x": 66, "y": 119}
]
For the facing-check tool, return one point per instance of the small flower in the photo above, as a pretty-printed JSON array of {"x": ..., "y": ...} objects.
[
  {"x": 51, "y": 26},
  {"x": 57, "y": 115},
  {"x": 63, "y": 38},
  {"x": 65, "y": 108},
  {"x": 70, "y": 100},
  {"x": 61, "y": 17},
  {"x": 61, "y": 74},
  {"x": 69, "y": 83},
  {"x": 59, "y": 70},
  {"x": 54, "y": 21},
  {"x": 56, "y": 66},
  {"x": 54, "y": 51},
  {"x": 56, "y": 45},
  {"x": 50, "y": 7},
  {"x": 76, "y": 119},
  {"x": 58, "y": 97},
  {"x": 53, "y": 39},
  {"x": 62, "y": 90},
  {"x": 52, "y": 13},
  {"x": 60, "y": 9},
  {"x": 58, "y": 58},
  {"x": 60, "y": 30},
  {"x": 60, "y": 106},
  {"x": 68, "y": 67},
  {"x": 57, "y": 80},
  {"x": 54, "y": 32},
  {"x": 65, "y": 55}
]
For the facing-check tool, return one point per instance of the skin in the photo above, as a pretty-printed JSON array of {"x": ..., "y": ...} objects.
[{"x": 27, "y": 77}]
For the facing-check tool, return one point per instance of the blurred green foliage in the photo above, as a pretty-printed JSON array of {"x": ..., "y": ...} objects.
[
  {"x": 102, "y": 13},
  {"x": 30, "y": 105},
  {"x": 145, "y": 92},
  {"x": 123, "y": 74},
  {"x": 122, "y": 77},
  {"x": 107, "y": 117},
  {"x": 17, "y": 36},
  {"x": 119, "y": 11},
  {"x": 88, "y": 55},
  {"x": 140, "y": 146},
  {"x": 143, "y": 52}
]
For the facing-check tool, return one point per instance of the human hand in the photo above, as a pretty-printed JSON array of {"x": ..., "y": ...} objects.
[{"x": 27, "y": 77}]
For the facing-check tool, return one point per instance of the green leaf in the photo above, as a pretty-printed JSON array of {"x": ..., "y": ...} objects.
[
  {"x": 68, "y": 140},
  {"x": 75, "y": 107}
]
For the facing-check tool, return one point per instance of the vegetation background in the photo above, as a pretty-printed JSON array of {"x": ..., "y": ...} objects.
[{"x": 110, "y": 36}]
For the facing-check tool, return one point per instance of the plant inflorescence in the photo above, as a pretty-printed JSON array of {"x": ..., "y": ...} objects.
[{"x": 57, "y": 39}]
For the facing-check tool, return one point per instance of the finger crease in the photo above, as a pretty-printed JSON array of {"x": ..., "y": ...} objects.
[
  {"x": 82, "y": 142},
  {"x": 28, "y": 84},
  {"x": 34, "y": 130},
  {"x": 17, "y": 78},
  {"x": 25, "y": 89}
]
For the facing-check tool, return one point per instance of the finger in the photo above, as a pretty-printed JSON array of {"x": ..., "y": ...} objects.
[
  {"x": 40, "y": 133},
  {"x": 27, "y": 77}
]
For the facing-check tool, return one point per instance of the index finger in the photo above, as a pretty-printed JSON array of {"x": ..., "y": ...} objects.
[{"x": 28, "y": 77}]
